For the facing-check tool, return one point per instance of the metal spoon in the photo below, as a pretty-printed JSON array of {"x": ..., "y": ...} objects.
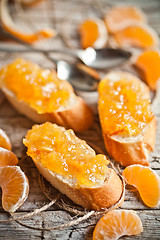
[
  {"x": 80, "y": 79},
  {"x": 103, "y": 59}
]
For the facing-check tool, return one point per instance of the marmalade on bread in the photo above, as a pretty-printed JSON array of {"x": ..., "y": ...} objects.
[
  {"x": 38, "y": 87},
  {"x": 61, "y": 152},
  {"x": 124, "y": 105}
]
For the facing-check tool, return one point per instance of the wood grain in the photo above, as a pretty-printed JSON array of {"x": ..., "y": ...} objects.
[{"x": 17, "y": 125}]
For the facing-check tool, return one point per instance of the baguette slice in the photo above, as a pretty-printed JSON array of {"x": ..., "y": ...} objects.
[
  {"x": 73, "y": 114},
  {"x": 128, "y": 124},
  {"x": 71, "y": 166}
]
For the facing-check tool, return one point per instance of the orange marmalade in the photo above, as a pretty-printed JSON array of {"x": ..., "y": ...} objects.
[
  {"x": 124, "y": 104},
  {"x": 40, "y": 88},
  {"x": 61, "y": 152}
]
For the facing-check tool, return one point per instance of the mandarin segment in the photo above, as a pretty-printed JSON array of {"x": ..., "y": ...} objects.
[
  {"x": 93, "y": 33},
  {"x": 116, "y": 224},
  {"x": 60, "y": 151},
  {"x": 146, "y": 181},
  {"x": 4, "y": 140},
  {"x": 44, "y": 92},
  {"x": 124, "y": 106},
  {"x": 14, "y": 184},
  {"x": 120, "y": 16},
  {"x": 149, "y": 65},
  {"x": 7, "y": 158},
  {"x": 137, "y": 35},
  {"x": 89, "y": 33}
]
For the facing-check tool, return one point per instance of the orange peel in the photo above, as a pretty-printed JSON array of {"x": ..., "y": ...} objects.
[
  {"x": 10, "y": 27},
  {"x": 30, "y": 3}
]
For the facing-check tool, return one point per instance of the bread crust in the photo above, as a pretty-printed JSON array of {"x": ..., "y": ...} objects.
[
  {"x": 96, "y": 198},
  {"x": 132, "y": 151},
  {"x": 79, "y": 117}
]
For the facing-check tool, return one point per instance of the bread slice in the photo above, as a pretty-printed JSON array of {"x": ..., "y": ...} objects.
[
  {"x": 94, "y": 190},
  {"x": 132, "y": 148},
  {"x": 76, "y": 115}
]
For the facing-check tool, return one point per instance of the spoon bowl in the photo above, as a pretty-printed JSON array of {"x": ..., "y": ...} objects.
[
  {"x": 104, "y": 58},
  {"x": 80, "y": 79}
]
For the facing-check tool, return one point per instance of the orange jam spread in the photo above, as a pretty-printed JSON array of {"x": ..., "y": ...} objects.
[
  {"x": 38, "y": 87},
  {"x": 124, "y": 105},
  {"x": 60, "y": 151}
]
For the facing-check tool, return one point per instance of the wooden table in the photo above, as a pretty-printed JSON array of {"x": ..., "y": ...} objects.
[{"x": 52, "y": 13}]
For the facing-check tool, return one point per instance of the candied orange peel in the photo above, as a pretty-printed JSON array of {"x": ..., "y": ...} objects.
[
  {"x": 44, "y": 91},
  {"x": 60, "y": 151},
  {"x": 124, "y": 105}
]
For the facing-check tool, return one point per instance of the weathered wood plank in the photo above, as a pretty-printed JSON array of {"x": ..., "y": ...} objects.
[
  {"x": 150, "y": 220},
  {"x": 17, "y": 125}
]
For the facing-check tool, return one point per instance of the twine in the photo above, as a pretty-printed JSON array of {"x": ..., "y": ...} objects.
[
  {"x": 81, "y": 215},
  {"x": 86, "y": 216},
  {"x": 31, "y": 214},
  {"x": 62, "y": 205}
]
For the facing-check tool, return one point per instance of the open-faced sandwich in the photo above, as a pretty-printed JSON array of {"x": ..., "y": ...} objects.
[
  {"x": 128, "y": 124},
  {"x": 71, "y": 166},
  {"x": 41, "y": 96}
]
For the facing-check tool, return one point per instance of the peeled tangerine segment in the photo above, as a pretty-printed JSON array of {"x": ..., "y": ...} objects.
[
  {"x": 93, "y": 33},
  {"x": 149, "y": 65},
  {"x": 120, "y": 16},
  {"x": 7, "y": 158},
  {"x": 137, "y": 35},
  {"x": 14, "y": 184},
  {"x": 44, "y": 91},
  {"x": 60, "y": 151},
  {"x": 124, "y": 104},
  {"x": 4, "y": 140},
  {"x": 116, "y": 224},
  {"x": 146, "y": 181}
]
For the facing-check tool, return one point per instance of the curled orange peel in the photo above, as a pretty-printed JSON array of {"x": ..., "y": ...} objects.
[
  {"x": 9, "y": 26},
  {"x": 30, "y": 3}
]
